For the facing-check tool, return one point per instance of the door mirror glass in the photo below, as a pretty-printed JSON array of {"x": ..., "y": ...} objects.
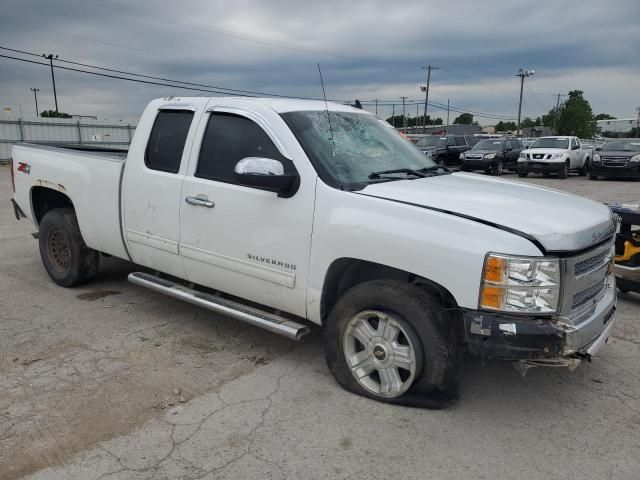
[{"x": 265, "y": 173}]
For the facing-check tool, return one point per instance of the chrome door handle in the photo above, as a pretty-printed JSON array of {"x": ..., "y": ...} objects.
[{"x": 200, "y": 201}]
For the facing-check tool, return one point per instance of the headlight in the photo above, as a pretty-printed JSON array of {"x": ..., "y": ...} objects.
[
  {"x": 556, "y": 156},
  {"x": 461, "y": 156},
  {"x": 596, "y": 158},
  {"x": 490, "y": 155},
  {"x": 428, "y": 153},
  {"x": 520, "y": 284},
  {"x": 635, "y": 158}
]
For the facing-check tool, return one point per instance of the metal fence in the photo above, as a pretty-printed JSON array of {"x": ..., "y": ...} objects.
[{"x": 105, "y": 133}]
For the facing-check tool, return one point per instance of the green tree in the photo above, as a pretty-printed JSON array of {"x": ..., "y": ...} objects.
[
  {"x": 505, "y": 126},
  {"x": 603, "y": 116},
  {"x": 576, "y": 116},
  {"x": 54, "y": 114},
  {"x": 538, "y": 121},
  {"x": 527, "y": 122},
  {"x": 464, "y": 119}
]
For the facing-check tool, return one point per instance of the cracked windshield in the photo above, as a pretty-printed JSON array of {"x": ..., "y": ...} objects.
[{"x": 363, "y": 144}]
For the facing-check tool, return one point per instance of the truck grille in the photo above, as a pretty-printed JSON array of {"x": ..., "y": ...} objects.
[
  {"x": 589, "y": 263},
  {"x": 585, "y": 277},
  {"x": 538, "y": 156},
  {"x": 587, "y": 294}
]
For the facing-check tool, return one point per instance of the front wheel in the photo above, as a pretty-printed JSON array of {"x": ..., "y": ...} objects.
[
  {"x": 564, "y": 172},
  {"x": 497, "y": 169},
  {"x": 393, "y": 342},
  {"x": 65, "y": 256}
]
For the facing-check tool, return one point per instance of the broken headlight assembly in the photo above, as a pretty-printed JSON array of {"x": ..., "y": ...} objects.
[{"x": 529, "y": 285}]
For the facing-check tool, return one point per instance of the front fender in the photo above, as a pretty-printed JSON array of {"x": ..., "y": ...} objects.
[{"x": 441, "y": 247}]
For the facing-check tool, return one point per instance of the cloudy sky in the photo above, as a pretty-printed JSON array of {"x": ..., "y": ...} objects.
[{"x": 367, "y": 50}]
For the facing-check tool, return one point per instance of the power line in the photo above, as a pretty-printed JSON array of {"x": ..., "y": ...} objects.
[
  {"x": 167, "y": 19},
  {"x": 162, "y": 81}
]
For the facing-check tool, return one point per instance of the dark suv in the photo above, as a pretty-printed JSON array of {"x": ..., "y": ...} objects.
[
  {"x": 443, "y": 150},
  {"x": 493, "y": 155},
  {"x": 617, "y": 158}
]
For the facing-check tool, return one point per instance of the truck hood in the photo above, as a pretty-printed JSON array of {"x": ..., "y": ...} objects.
[
  {"x": 545, "y": 150},
  {"x": 557, "y": 221}
]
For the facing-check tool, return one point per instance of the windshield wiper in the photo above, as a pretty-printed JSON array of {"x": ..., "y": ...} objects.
[
  {"x": 408, "y": 171},
  {"x": 433, "y": 168}
]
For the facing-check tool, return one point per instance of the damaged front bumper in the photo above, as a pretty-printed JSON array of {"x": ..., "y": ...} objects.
[{"x": 548, "y": 341}]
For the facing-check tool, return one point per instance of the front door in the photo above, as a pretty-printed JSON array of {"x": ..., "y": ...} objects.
[{"x": 243, "y": 240}]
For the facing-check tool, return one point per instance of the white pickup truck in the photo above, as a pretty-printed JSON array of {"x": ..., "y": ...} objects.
[
  {"x": 559, "y": 155},
  {"x": 284, "y": 212}
]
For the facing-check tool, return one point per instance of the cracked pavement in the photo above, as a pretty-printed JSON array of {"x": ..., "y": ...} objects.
[{"x": 110, "y": 381}]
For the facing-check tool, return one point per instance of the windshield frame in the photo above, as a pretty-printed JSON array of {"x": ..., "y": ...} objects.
[
  {"x": 500, "y": 142},
  {"x": 328, "y": 177},
  {"x": 564, "y": 139},
  {"x": 623, "y": 142}
]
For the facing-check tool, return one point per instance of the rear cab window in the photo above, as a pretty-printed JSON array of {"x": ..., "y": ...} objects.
[{"x": 167, "y": 140}]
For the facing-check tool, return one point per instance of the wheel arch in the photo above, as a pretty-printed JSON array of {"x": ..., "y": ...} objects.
[
  {"x": 346, "y": 272},
  {"x": 44, "y": 199}
]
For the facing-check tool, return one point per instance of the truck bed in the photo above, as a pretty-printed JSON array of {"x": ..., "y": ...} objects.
[{"x": 88, "y": 176}]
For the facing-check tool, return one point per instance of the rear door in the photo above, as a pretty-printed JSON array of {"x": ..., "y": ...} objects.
[
  {"x": 152, "y": 185},
  {"x": 245, "y": 241}
]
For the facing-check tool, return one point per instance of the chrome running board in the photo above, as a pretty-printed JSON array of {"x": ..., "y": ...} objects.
[{"x": 253, "y": 316}]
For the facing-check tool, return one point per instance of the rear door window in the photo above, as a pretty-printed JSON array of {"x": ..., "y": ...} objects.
[
  {"x": 167, "y": 139},
  {"x": 460, "y": 142}
]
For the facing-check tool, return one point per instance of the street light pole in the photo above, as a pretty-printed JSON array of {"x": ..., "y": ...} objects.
[
  {"x": 35, "y": 97},
  {"x": 404, "y": 115},
  {"x": 51, "y": 58},
  {"x": 522, "y": 73}
]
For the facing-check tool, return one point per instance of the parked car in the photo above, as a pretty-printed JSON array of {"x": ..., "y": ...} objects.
[
  {"x": 618, "y": 158},
  {"x": 264, "y": 211},
  {"x": 443, "y": 150},
  {"x": 559, "y": 155},
  {"x": 492, "y": 155}
]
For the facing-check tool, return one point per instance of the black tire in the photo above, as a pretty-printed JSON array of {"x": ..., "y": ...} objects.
[
  {"x": 593, "y": 177},
  {"x": 65, "y": 256},
  {"x": 523, "y": 174},
  {"x": 583, "y": 170},
  {"x": 440, "y": 161},
  {"x": 497, "y": 169},
  {"x": 564, "y": 173},
  {"x": 437, "y": 380}
]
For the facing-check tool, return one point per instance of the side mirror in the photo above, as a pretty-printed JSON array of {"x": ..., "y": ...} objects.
[
  {"x": 575, "y": 147},
  {"x": 267, "y": 174},
  {"x": 598, "y": 148},
  {"x": 508, "y": 149}
]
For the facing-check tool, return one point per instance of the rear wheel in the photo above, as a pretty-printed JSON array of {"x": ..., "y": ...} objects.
[
  {"x": 65, "y": 256},
  {"x": 393, "y": 342},
  {"x": 497, "y": 169},
  {"x": 564, "y": 172},
  {"x": 583, "y": 170}
]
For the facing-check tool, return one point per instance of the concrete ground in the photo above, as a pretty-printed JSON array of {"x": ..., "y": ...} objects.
[{"x": 111, "y": 381}]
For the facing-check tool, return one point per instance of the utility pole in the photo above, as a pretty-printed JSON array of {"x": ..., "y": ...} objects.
[
  {"x": 425, "y": 89},
  {"x": 522, "y": 73},
  {"x": 51, "y": 57},
  {"x": 35, "y": 96},
  {"x": 557, "y": 111},
  {"x": 376, "y": 106},
  {"x": 638, "y": 123},
  {"x": 393, "y": 114},
  {"x": 404, "y": 115},
  {"x": 447, "y": 130}
]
